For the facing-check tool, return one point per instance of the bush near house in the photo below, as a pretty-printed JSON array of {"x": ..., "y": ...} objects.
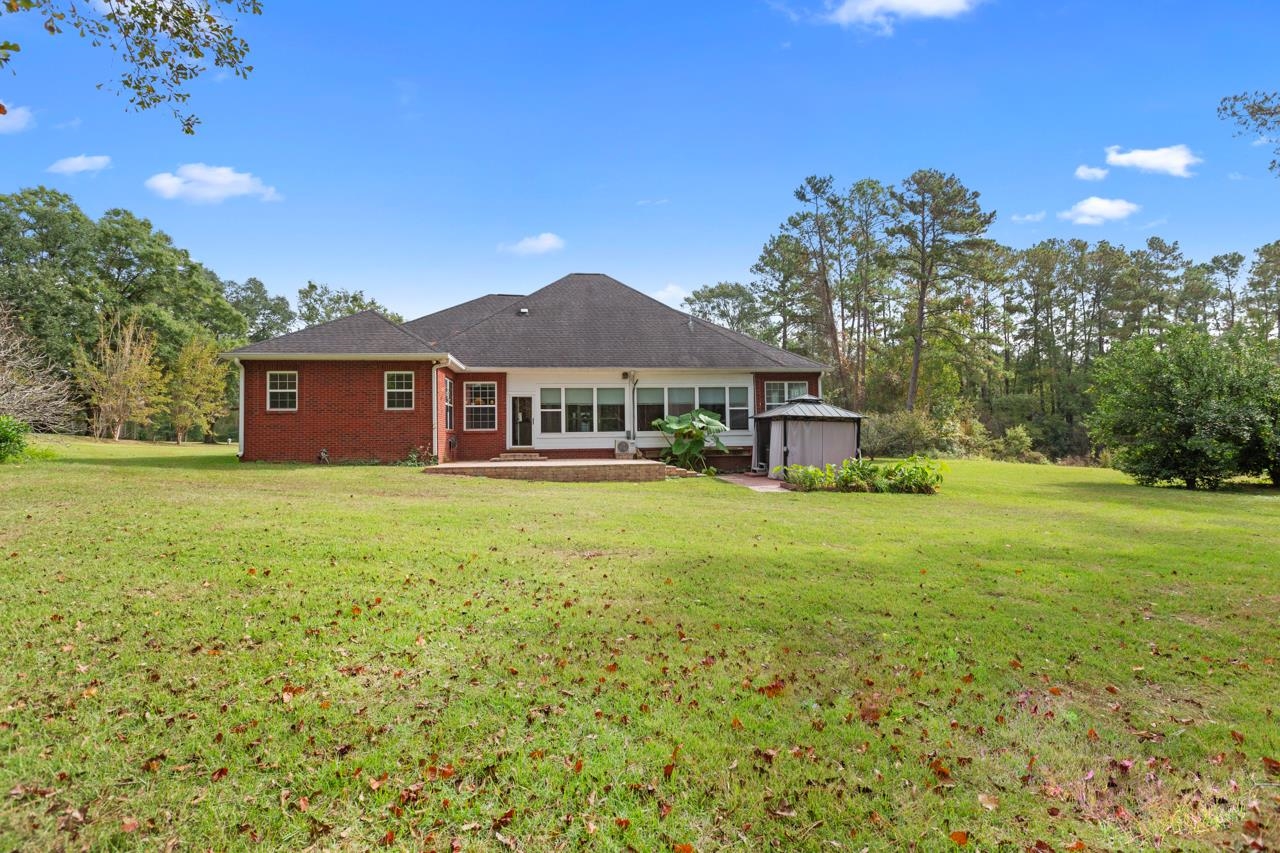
[{"x": 914, "y": 475}]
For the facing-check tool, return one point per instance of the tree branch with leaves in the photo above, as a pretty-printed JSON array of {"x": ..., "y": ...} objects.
[{"x": 163, "y": 44}]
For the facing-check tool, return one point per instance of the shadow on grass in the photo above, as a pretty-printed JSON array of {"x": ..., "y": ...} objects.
[
  {"x": 1171, "y": 497},
  {"x": 194, "y": 463}
]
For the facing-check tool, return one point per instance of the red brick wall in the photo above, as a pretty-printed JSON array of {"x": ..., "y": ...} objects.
[
  {"x": 340, "y": 409},
  {"x": 478, "y": 445},
  {"x": 445, "y": 453},
  {"x": 761, "y": 378}
]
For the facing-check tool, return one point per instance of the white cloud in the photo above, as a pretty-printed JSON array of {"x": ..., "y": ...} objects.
[
  {"x": 1235, "y": 176},
  {"x": 1091, "y": 173},
  {"x": 540, "y": 244},
  {"x": 71, "y": 124},
  {"x": 1170, "y": 160},
  {"x": 1096, "y": 211},
  {"x": 81, "y": 163},
  {"x": 1262, "y": 140},
  {"x": 883, "y": 14},
  {"x": 672, "y": 294},
  {"x": 17, "y": 119},
  {"x": 652, "y": 202},
  {"x": 204, "y": 184},
  {"x": 1029, "y": 217}
]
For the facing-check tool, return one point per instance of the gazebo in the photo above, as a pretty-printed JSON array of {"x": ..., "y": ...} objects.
[{"x": 806, "y": 431}]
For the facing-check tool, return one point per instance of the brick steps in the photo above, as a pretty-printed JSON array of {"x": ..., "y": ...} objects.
[{"x": 673, "y": 472}]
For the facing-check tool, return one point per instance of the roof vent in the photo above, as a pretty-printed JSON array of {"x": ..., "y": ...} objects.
[{"x": 523, "y": 312}]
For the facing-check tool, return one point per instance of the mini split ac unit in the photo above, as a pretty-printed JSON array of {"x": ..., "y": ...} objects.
[{"x": 624, "y": 448}]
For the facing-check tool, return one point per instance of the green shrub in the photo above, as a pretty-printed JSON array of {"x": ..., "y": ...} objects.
[
  {"x": 917, "y": 475},
  {"x": 914, "y": 475},
  {"x": 13, "y": 437},
  {"x": 1015, "y": 444}
]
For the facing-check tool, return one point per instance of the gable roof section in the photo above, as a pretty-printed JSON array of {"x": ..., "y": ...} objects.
[
  {"x": 441, "y": 324},
  {"x": 367, "y": 333},
  {"x": 593, "y": 320},
  {"x": 808, "y": 408}
]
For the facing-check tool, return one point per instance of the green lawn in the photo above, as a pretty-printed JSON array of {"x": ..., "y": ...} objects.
[{"x": 236, "y": 655}]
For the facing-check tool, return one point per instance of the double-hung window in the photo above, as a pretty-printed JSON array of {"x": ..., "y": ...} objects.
[
  {"x": 398, "y": 390},
  {"x": 549, "y": 403},
  {"x": 448, "y": 403},
  {"x": 777, "y": 393},
  {"x": 579, "y": 415},
  {"x": 649, "y": 407},
  {"x": 738, "y": 410},
  {"x": 611, "y": 409},
  {"x": 679, "y": 401},
  {"x": 282, "y": 390},
  {"x": 480, "y": 405}
]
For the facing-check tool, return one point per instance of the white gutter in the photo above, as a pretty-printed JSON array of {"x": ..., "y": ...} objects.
[
  {"x": 331, "y": 356},
  {"x": 240, "y": 414}
]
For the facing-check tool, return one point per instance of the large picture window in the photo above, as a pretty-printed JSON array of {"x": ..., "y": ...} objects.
[
  {"x": 777, "y": 393},
  {"x": 448, "y": 403},
  {"x": 398, "y": 390},
  {"x": 282, "y": 391},
  {"x": 480, "y": 405}
]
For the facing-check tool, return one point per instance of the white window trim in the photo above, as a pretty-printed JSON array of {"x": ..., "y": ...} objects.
[
  {"x": 294, "y": 374},
  {"x": 595, "y": 409},
  {"x": 786, "y": 395},
  {"x": 697, "y": 402},
  {"x": 465, "y": 406},
  {"x": 449, "y": 420},
  {"x": 412, "y": 389}
]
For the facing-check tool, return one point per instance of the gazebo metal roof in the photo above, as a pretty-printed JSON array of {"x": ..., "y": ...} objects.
[{"x": 809, "y": 408}]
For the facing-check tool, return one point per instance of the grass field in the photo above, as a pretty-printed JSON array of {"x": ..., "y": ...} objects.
[{"x": 204, "y": 654}]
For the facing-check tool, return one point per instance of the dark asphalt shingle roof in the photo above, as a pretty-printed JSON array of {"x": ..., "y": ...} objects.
[
  {"x": 367, "y": 332},
  {"x": 441, "y": 324},
  {"x": 808, "y": 408},
  {"x": 593, "y": 320},
  {"x": 581, "y": 320}
]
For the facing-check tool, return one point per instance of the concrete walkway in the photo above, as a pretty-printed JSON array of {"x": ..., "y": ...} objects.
[{"x": 754, "y": 482}]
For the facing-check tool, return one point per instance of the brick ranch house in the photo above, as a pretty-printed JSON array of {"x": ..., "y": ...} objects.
[{"x": 568, "y": 371}]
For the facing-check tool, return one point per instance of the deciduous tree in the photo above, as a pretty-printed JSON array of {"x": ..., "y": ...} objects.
[
  {"x": 121, "y": 378},
  {"x": 197, "y": 388}
]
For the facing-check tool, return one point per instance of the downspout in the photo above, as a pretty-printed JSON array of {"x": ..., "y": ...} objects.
[
  {"x": 634, "y": 434},
  {"x": 240, "y": 414},
  {"x": 435, "y": 411}
]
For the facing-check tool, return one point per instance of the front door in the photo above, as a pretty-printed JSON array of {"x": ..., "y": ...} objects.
[{"x": 521, "y": 421}]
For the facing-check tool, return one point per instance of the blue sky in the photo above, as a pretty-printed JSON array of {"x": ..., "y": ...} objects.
[{"x": 430, "y": 152}]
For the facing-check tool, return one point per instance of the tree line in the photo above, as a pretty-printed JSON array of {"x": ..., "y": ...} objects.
[
  {"x": 915, "y": 308},
  {"x": 119, "y": 328}
]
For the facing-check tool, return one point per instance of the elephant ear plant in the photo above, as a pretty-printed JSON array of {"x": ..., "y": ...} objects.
[{"x": 688, "y": 436}]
